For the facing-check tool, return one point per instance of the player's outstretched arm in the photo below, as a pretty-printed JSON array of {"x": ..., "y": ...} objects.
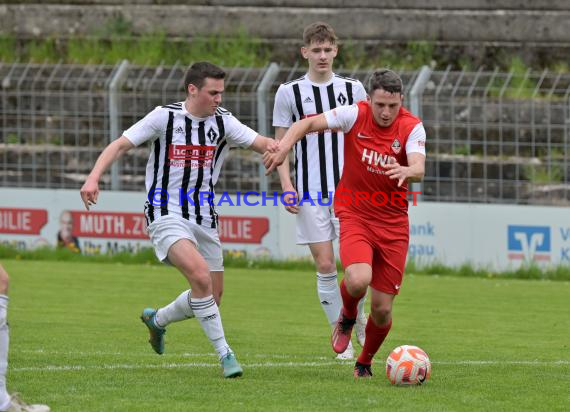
[
  {"x": 90, "y": 190},
  {"x": 293, "y": 135},
  {"x": 417, "y": 165},
  {"x": 261, "y": 144},
  {"x": 414, "y": 172},
  {"x": 289, "y": 191}
]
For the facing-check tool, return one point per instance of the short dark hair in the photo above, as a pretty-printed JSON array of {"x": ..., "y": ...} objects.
[
  {"x": 319, "y": 32},
  {"x": 387, "y": 80},
  {"x": 198, "y": 72}
]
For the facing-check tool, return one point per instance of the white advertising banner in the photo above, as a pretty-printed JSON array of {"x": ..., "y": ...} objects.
[{"x": 492, "y": 236}]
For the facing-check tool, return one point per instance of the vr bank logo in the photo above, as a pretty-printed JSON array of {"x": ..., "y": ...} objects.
[{"x": 529, "y": 243}]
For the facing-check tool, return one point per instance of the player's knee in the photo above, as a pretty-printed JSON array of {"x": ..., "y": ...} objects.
[
  {"x": 199, "y": 277},
  {"x": 356, "y": 285},
  {"x": 325, "y": 265},
  {"x": 201, "y": 281},
  {"x": 357, "y": 278},
  {"x": 195, "y": 271}
]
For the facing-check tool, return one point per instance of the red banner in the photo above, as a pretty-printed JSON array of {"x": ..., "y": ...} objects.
[
  {"x": 233, "y": 229},
  {"x": 242, "y": 229},
  {"x": 109, "y": 225},
  {"x": 22, "y": 221}
]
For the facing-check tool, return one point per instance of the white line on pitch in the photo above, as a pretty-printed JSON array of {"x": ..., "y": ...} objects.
[
  {"x": 168, "y": 366},
  {"x": 502, "y": 362},
  {"x": 264, "y": 365},
  {"x": 172, "y": 355},
  {"x": 282, "y": 356}
]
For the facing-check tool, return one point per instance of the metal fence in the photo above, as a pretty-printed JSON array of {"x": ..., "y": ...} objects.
[{"x": 492, "y": 136}]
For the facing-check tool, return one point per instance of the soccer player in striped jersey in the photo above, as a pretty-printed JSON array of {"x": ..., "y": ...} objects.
[
  {"x": 190, "y": 141},
  {"x": 384, "y": 149},
  {"x": 318, "y": 162},
  {"x": 9, "y": 402}
]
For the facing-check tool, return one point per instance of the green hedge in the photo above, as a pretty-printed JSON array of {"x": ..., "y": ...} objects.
[{"x": 240, "y": 260}]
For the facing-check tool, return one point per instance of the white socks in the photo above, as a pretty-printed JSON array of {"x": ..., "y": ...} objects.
[
  {"x": 4, "y": 340},
  {"x": 204, "y": 309},
  {"x": 207, "y": 312},
  {"x": 360, "y": 307},
  {"x": 176, "y": 311},
  {"x": 329, "y": 295}
]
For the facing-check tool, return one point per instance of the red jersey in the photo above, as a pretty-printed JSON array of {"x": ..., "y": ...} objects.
[{"x": 364, "y": 191}]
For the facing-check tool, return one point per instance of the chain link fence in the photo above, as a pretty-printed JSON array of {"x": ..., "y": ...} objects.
[{"x": 492, "y": 137}]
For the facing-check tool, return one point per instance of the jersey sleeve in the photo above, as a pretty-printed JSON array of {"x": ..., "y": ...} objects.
[
  {"x": 237, "y": 133},
  {"x": 148, "y": 128},
  {"x": 417, "y": 140},
  {"x": 342, "y": 118},
  {"x": 282, "y": 116},
  {"x": 359, "y": 93}
]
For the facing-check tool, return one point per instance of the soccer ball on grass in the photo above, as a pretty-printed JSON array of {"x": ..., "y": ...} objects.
[{"x": 408, "y": 365}]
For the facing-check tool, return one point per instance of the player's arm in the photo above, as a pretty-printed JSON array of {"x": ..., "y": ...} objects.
[
  {"x": 282, "y": 113},
  {"x": 417, "y": 167},
  {"x": 295, "y": 133},
  {"x": 414, "y": 172},
  {"x": 290, "y": 198},
  {"x": 116, "y": 149},
  {"x": 261, "y": 144},
  {"x": 416, "y": 156},
  {"x": 284, "y": 170}
]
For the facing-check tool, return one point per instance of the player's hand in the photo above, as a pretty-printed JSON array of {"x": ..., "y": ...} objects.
[
  {"x": 272, "y": 160},
  {"x": 290, "y": 200},
  {"x": 273, "y": 147},
  {"x": 397, "y": 171},
  {"x": 90, "y": 192}
]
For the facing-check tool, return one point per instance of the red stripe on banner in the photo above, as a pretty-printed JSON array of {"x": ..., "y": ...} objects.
[
  {"x": 109, "y": 225},
  {"x": 243, "y": 229},
  {"x": 22, "y": 221},
  {"x": 534, "y": 257},
  {"x": 516, "y": 256}
]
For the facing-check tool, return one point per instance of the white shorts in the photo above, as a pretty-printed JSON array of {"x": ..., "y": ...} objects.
[
  {"x": 316, "y": 223},
  {"x": 166, "y": 230}
]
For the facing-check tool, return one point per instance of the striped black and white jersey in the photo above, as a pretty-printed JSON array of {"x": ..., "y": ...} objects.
[
  {"x": 319, "y": 157},
  {"x": 186, "y": 159}
]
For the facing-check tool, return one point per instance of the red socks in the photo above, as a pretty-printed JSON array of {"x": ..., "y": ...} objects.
[
  {"x": 375, "y": 335},
  {"x": 349, "y": 302}
]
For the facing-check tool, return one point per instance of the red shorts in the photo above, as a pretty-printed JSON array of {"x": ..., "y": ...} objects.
[{"x": 383, "y": 248}]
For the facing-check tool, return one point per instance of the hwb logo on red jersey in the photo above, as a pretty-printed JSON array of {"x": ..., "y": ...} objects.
[{"x": 374, "y": 158}]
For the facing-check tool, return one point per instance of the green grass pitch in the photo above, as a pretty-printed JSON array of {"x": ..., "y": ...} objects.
[{"x": 77, "y": 343}]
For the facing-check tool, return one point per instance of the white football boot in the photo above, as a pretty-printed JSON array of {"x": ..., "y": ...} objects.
[
  {"x": 18, "y": 405},
  {"x": 361, "y": 328}
]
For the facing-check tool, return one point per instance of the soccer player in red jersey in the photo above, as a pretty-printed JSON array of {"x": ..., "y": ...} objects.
[{"x": 384, "y": 149}]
